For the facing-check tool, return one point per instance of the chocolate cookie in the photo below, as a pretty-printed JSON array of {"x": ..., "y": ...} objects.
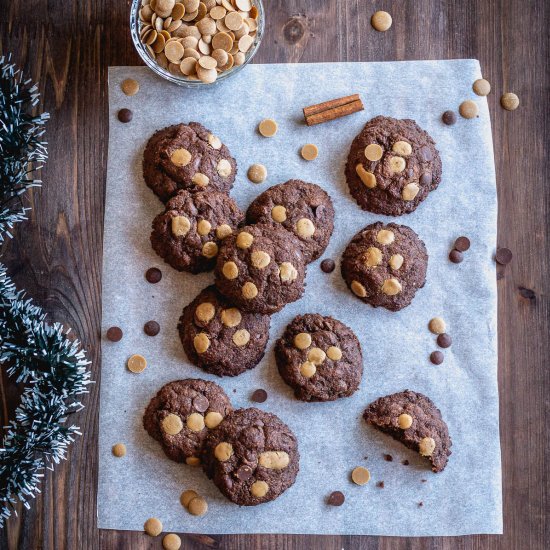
[
  {"x": 252, "y": 457},
  {"x": 392, "y": 166},
  {"x": 414, "y": 420},
  {"x": 384, "y": 265},
  {"x": 301, "y": 208},
  {"x": 188, "y": 233},
  {"x": 180, "y": 416},
  {"x": 220, "y": 338},
  {"x": 320, "y": 358},
  {"x": 261, "y": 268},
  {"x": 187, "y": 156}
]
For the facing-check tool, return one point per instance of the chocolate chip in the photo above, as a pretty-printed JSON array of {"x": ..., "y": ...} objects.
[
  {"x": 114, "y": 334},
  {"x": 405, "y": 462},
  {"x": 151, "y": 328},
  {"x": 259, "y": 396},
  {"x": 503, "y": 256},
  {"x": 444, "y": 341},
  {"x": 420, "y": 504},
  {"x": 436, "y": 357},
  {"x": 462, "y": 244},
  {"x": 380, "y": 484},
  {"x": 388, "y": 458},
  {"x": 328, "y": 265},
  {"x": 125, "y": 115},
  {"x": 426, "y": 178},
  {"x": 201, "y": 403},
  {"x": 153, "y": 275},
  {"x": 244, "y": 473},
  {"x": 336, "y": 498},
  {"x": 456, "y": 256},
  {"x": 426, "y": 153},
  {"x": 448, "y": 118},
  {"x": 318, "y": 210}
]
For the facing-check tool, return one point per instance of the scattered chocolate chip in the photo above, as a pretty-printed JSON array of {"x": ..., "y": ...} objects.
[
  {"x": 405, "y": 462},
  {"x": 153, "y": 275},
  {"x": 426, "y": 153},
  {"x": 328, "y": 265},
  {"x": 201, "y": 403},
  {"x": 444, "y": 340},
  {"x": 125, "y": 115},
  {"x": 448, "y": 118},
  {"x": 420, "y": 504},
  {"x": 436, "y": 357},
  {"x": 456, "y": 256},
  {"x": 380, "y": 484},
  {"x": 336, "y": 498},
  {"x": 151, "y": 328},
  {"x": 244, "y": 473},
  {"x": 388, "y": 458},
  {"x": 527, "y": 293},
  {"x": 259, "y": 396},
  {"x": 423, "y": 480},
  {"x": 114, "y": 334},
  {"x": 503, "y": 256},
  {"x": 462, "y": 244}
]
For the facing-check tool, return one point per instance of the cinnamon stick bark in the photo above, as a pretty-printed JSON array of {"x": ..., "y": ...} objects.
[{"x": 330, "y": 110}]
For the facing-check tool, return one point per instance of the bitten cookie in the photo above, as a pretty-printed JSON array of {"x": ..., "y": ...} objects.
[
  {"x": 187, "y": 156},
  {"x": 414, "y": 420},
  {"x": 187, "y": 235},
  {"x": 252, "y": 457},
  {"x": 181, "y": 414},
  {"x": 220, "y": 338},
  {"x": 392, "y": 166},
  {"x": 320, "y": 358},
  {"x": 261, "y": 268},
  {"x": 384, "y": 265},
  {"x": 301, "y": 208}
]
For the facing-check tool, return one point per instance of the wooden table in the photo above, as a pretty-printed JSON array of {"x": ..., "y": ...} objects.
[{"x": 57, "y": 255}]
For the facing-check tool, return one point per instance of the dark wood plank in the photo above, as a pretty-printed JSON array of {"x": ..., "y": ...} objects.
[{"x": 56, "y": 255}]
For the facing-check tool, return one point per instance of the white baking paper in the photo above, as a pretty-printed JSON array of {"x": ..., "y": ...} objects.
[{"x": 333, "y": 438}]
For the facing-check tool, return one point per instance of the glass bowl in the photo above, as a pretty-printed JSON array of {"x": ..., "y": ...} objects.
[{"x": 135, "y": 28}]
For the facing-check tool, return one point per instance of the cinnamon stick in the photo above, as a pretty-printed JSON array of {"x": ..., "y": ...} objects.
[{"x": 330, "y": 110}]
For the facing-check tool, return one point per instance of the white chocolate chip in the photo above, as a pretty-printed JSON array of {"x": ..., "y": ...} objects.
[
  {"x": 180, "y": 226},
  {"x": 204, "y": 227},
  {"x": 180, "y": 157},
  {"x": 396, "y": 261},
  {"x": 210, "y": 249},
  {"x": 334, "y": 353},
  {"x": 302, "y": 340},
  {"x": 426, "y": 447},
  {"x": 385, "y": 236},
  {"x": 373, "y": 256},
  {"x": 397, "y": 164},
  {"x": 305, "y": 228},
  {"x": 230, "y": 270},
  {"x": 223, "y": 451},
  {"x": 259, "y": 489},
  {"x": 410, "y": 191},
  {"x": 307, "y": 369},
  {"x": 402, "y": 148},
  {"x": 249, "y": 291},
  {"x": 205, "y": 312},
  {"x": 171, "y": 424},
  {"x": 241, "y": 337},
  {"x": 214, "y": 141},
  {"x": 201, "y": 342},
  {"x": 405, "y": 421},
  {"x": 231, "y": 317},
  {"x": 368, "y": 178},
  {"x": 358, "y": 289},
  {"x": 200, "y": 179},
  {"x": 260, "y": 259},
  {"x": 274, "y": 460},
  {"x": 223, "y": 231},
  {"x": 316, "y": 356},
  {"x": 195, "y": 422},
  {"x": 373, "y": 152},
  {"x": 244, "y": 239},
  {"x": 278, "y": 213},
  {"x": 224, "y": 168},
  {"x": 212, "y": 419},
  {"x": 391, "y": 287},
  {"x": 287, "y": 272}
]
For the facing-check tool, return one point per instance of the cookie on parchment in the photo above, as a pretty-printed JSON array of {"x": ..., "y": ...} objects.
[
  {"x": 252, "y": 457},
  {"x": 413, "y": 419},
  {"x": 384, "y": 265},
  {"x": 182, "y": 413},
  {"x": 392, "y": 166},
  {"x": 220, "y": 338},
  {"x": 190, "y": 157},
  {"x": 305, "y": 209},
  {"x": 187, "y": 235},
  {"x": 320, "y": 358},
  {"x": 261, "y": 268}
]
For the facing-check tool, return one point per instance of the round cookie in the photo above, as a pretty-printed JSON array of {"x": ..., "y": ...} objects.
[
  {"x": 261, "y": 268},
  {"x": 187, "y": 156},
  {"x": 320, "y": 358},
  {"x": 392, "y": 166},
  {"x": 384, "y": 265},
  {"x": 182, "y": 413},
  {"x": 219, "y": 338},
  {"x": 301, "y": 208},
  {"x": 187, "y": 235},
  {"x": 252, "y": 457}
]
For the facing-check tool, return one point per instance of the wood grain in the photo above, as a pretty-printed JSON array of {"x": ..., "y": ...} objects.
[{"x": 56, "y": 255}]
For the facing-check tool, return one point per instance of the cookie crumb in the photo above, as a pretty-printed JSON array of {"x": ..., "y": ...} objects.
[
  {"x": 153, "y": 527},
  {"x": 405, "y": 462},
  {"x": 380, "y": 484},
  {"x": 119, "y": 450},
  {"x": 336, "y": 498},
  {"x": 388, "y": 458}
]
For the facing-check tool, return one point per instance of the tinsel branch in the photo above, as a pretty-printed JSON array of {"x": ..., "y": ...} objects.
[
  {"x": 53, "y": 369},
  {"x": 22, "y": 147}
]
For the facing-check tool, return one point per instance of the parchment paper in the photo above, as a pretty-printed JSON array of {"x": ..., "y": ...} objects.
[{"x": 333, "y": 439}]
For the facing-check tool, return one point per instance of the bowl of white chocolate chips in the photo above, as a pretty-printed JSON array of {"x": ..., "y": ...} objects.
[{"x": 196, "y": 42}]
